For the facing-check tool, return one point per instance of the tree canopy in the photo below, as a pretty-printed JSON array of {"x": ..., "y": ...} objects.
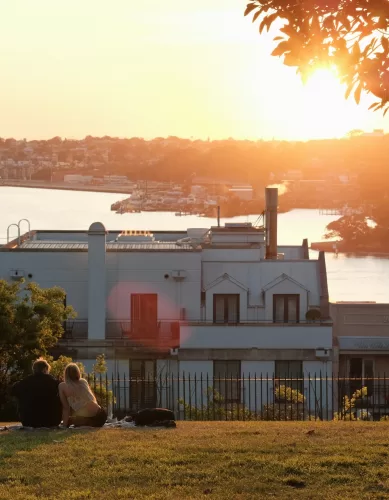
[
  {"x": 31, "y": 323},
  {"x": 351, "y": 35}
]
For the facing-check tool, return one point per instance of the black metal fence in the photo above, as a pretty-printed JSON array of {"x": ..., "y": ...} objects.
[{"x": 251, "y": 397}]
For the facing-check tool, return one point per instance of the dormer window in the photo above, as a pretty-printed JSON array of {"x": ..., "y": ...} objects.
[
  {"x": 286, "y": 308},
  {"x": 226, "y": 308}
]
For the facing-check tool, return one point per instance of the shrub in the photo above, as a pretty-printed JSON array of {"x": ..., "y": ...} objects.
[
  {"x": 348, "y": 411},
  {"x": 289, "y": 405},
  {"x": 217, "y": 408}
]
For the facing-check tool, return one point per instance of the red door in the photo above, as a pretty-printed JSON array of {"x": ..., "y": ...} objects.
[{"x": 144, "y": 315}]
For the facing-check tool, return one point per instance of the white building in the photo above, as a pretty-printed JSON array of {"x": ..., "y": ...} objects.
[{"x": 224, "y": 300}]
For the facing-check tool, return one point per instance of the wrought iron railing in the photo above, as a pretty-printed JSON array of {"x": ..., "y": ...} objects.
[{"x": 247, "y": 397}]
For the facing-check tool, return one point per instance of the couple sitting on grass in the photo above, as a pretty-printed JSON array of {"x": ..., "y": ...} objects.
[{"x": 44, "y": 401}]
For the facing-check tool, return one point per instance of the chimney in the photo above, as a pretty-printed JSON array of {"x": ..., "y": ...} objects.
[
  {"x": 271, "y": 196},
  {"x": 96, "y": 281}
]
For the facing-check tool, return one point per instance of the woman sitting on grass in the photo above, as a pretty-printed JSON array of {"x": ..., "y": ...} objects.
[{"x": 77, "y": 397}]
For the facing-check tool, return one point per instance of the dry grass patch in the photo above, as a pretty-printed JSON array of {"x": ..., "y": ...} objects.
[{"x": 197, "y": 459}]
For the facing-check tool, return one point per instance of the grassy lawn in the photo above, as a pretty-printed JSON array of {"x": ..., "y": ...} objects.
[{"x": 199, "y": 459}]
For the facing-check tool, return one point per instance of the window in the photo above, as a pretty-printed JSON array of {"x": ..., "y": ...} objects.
[
  {"x": 226, "y": 308},
  {"x": 227, "y": 380},
  {"x": 143, "y": 390},
  {"x": 286, "y": 308},
  {"x": 290, "y": 374},
  {"x": 361, "y": 373}
]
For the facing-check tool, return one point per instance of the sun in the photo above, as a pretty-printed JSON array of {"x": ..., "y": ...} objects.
[{"x": 325, "y": 113}]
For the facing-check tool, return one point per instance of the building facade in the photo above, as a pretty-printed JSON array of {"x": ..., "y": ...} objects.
[
  {"x": 361, "y": 347},
  {"x": 226, "y": 302}
]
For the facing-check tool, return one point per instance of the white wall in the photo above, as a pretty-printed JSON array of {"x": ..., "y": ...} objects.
[
  {"x": 144, "y": 272},
  {"x": 260, "y": 337},
  {"x": 69, "y": 270}
]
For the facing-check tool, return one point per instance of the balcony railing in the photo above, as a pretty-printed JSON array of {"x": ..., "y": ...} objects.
[
  {"x": 160, "y": 334},
  {"x": 76, "y": 329},
  {"x": 163, "y": 332},
  {"x": 255, "y": 322}
]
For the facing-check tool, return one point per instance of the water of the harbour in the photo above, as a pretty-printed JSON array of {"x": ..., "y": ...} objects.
[{"x": 351, "y": 278}]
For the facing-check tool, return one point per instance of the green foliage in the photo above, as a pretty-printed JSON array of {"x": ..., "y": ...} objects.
[
  {"x": 216, "y": 408},
  {"x": 352, "y": 230},
  {"x": 31, "y": 322},
  {"x": 288, "y": 405},
  {"x": 348, "y": 411},
  {"x": 351, "y": 36},
  {"x": 101, "y": 365},
  {"x": 100, "y": 384},
  {"x": 58, "y": 366},
  {"x": 97, "y": 379}
]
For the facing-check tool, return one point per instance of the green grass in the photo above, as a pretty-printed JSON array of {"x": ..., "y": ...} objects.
[{"x": 199, "y": 459}]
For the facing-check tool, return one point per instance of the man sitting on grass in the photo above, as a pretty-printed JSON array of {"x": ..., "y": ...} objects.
[{"x": 38, "y": 397}]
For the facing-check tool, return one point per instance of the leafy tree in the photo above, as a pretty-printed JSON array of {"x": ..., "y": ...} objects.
[
  {"x": 353, "y": 229},
  {"x": 31, "y": 323},
  {"x": 58, "y": 366},
  {"x": 351, "y": 35}
]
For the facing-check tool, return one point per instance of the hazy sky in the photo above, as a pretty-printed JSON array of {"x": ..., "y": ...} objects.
[{"x": 156, "y": 68}]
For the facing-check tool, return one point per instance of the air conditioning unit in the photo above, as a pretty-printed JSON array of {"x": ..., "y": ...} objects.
[
  {"x": 322, "y": 353},
  {"x": 16, "y": 274},
  {"x": 178, "y": 275}
]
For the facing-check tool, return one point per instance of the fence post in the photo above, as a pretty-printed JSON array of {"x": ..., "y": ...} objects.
[
  {"x": 113, "y": 395},
  {"x": 183, "y": 393},
  {"x": 119, "y": 392},
  {"x": 172, "y": 394},
  {"x": 195, "y": 394},
  {"x": 326, "y": 396},
  {"x": 190, "y": 397},
  {"x": 201, "y": 396},
  {"x": 249, "y": 382},
  {"x": 255, "y": 386},
  {"x": 125, "y": 392}
]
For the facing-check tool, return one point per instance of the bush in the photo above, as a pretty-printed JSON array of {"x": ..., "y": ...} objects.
[
  {"x": 217, "y": 408},
  {"x": 289, "y": 405},
  {"x": 348, "y": 411}
]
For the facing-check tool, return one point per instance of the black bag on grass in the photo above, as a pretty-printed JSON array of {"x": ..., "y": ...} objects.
[{"x": 154, "y": 416}]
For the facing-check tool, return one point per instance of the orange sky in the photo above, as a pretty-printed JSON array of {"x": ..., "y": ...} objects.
[{"x": 157, "y": 68}]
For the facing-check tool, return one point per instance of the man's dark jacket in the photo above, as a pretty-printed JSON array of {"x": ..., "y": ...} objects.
[{"x": 38, "y": 401}]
